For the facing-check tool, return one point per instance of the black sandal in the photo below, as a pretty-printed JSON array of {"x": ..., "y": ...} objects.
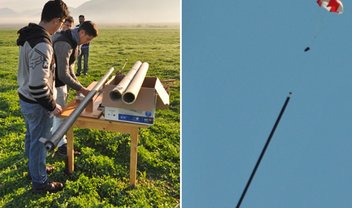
[{"x": 51, "y": 187}]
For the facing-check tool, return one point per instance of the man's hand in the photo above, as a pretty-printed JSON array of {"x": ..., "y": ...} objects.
[
  {"x": 58, "y": 110},
  {"x": 84, "y": 91}
]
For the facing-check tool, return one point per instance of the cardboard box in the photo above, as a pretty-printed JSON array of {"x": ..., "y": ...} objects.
[{"x": 151, "y": 96}]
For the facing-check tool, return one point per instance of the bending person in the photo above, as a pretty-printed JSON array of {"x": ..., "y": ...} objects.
[{"x": 66, "y": 45}]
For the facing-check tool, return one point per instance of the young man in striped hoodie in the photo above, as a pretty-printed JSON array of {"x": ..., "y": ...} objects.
[{"x": 37, "y": 89}]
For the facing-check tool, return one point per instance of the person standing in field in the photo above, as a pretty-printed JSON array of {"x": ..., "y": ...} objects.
[
  {"x": 66, "y": 45},
  {"x": 37, "y": 90},
  {"x": 83, "y": 52}
]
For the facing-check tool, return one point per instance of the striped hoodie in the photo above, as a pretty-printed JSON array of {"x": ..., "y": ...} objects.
[{"x": 35, "y": 71}]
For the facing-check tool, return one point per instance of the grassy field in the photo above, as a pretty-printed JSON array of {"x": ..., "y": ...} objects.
[{"x": 101, "y": 177}]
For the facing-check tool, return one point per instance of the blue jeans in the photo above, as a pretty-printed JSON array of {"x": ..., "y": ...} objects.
[
  {"x": 85, "y": 54},
  {"x": 38, "y": 124}
]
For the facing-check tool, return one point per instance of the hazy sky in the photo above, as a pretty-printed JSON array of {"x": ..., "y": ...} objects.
[
  {"x": 22, "y": 5},
  {"x": 101, "y": 11}
]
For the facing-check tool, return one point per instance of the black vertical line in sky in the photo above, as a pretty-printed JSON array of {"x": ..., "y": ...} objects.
[{"x": 263, "y": 151}]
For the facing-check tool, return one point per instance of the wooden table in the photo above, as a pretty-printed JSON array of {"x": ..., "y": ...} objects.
[{"x": 101, "y": 124}]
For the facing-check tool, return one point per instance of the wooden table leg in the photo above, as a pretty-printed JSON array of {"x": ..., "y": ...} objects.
[
  {"x": 133, "y": 157},
  {"x": 70, "y": 151}
]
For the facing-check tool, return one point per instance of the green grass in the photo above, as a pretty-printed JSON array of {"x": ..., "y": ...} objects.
[{"x": 101, "y": 177}]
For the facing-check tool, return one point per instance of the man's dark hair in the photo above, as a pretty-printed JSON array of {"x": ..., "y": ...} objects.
[
  {"x": 54, "y": 9},
  {"x": 89, "y": 27},
  {"x": 81, "y": 16}
]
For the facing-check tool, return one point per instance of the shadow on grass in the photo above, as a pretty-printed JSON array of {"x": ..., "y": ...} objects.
[
  {"x": 13, "y": 177},
  {"x": 22, "y": 198},
  {"x": 9, "y": 107},
  {"x": 7, "y": 88},
  {"x": 7, "y": 129},
  {"x": 16, "y": 190},
  {"x": 4, "y": 106}
]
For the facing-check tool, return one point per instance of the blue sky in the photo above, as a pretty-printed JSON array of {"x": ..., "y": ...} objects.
[{"x": 240, "y": 60}]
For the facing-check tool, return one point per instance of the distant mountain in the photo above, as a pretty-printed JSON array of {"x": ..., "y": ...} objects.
[
  {"x": 130, "y": 11},
  {"x": 32, "y": 13},
  {"x": 6, "y": 12},
  {"x": 10, "y": 17},
  {"x": 108, "y": 12}
]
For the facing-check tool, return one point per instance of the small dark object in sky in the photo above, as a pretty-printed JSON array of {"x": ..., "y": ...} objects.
[{"x": 306, "y": 49}]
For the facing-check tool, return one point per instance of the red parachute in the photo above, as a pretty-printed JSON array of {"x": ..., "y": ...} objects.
[
  {"x": 331, "y": 5},
  {"x": 334, "y": 6}
]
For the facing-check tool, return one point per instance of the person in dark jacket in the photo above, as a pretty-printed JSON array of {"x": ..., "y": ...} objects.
[
  {"x": 37, "y": 90},
  {"x": 83, "y": 52},
  {"x": 66, "y": 45}
]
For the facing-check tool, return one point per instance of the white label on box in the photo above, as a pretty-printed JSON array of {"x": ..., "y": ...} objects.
[{"x": 132, "y": 116}]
